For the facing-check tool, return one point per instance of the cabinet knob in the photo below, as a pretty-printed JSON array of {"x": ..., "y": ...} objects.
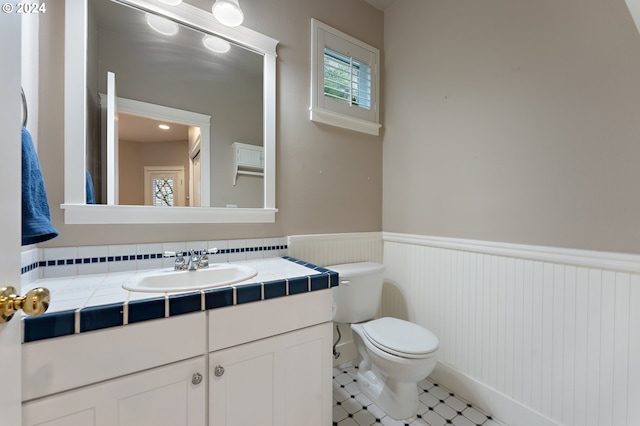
[
  {"x": 196, "y": 379},
  {"x": 35, "y": 302},
  {"x": 218, "y": 371}
]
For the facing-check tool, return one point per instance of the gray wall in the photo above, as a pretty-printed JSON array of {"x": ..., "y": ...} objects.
[
  {"x": 328, "y": 180},
  {"x": 513, "y": 122}
]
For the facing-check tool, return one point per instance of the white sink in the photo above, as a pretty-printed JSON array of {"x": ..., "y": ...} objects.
[{"x": 216, "y": 275}]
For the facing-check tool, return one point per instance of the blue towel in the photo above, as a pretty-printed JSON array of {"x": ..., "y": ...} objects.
[
  {"x": 91, "y": 199},
  {"x": 36, "y": 220}
]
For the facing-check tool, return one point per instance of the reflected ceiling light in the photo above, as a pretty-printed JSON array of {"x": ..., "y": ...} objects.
[
  {"x": 164, "y": 126},
  {"x": 171, "y": 2},
  {"x": 162, "y": 25},
  {"x": 216, "y": 44},
  {"x": 228, "y": 12}
]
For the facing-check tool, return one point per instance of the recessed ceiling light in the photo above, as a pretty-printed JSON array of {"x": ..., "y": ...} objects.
[
  {"x": 162, "y": 25},
  {"x": 164, "y": 127},
  {"x": 216, "y": 44}
]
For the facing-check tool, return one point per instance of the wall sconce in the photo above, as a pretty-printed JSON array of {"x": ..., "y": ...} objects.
[{"x": 228, "y": 12}]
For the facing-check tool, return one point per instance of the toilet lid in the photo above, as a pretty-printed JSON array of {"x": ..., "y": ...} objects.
[{"x": 400, "y": 337}]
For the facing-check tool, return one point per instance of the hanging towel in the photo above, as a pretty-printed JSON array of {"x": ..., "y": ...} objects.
[
  {"x": 91, "y": 199},
  {"x": 36, "y": 219}
]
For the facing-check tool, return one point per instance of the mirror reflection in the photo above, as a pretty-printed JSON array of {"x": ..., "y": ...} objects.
[{"x": 171, "y": 68}]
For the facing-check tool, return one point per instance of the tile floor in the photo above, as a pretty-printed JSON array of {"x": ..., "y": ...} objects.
[{"x": 438, "y": 406}]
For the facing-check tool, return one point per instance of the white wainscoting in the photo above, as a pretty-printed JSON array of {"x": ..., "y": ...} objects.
[
  {"x": 333, "y": 249},
  {"x": 535, "y": 335}
]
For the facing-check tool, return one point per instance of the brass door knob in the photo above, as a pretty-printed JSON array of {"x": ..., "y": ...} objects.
[{"x": 34, "y": 303}]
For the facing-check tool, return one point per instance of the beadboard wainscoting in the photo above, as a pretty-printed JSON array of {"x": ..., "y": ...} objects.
[
  {"x": 537, "y": 336},
  {"x": 332, "y": 249}
]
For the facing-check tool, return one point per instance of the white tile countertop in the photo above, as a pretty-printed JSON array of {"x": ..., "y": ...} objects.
[{"x": 90, "y": 302}]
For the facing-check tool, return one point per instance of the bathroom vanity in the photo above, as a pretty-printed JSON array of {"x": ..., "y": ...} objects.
[{"x": 261, "y": 362}]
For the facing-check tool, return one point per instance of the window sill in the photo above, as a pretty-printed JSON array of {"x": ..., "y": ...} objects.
[{"x": 324, "y": 116}]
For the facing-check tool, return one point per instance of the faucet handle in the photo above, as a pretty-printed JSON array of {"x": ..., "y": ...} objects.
[
  {"x": 204, "y": 258},
  {"x": 172, "y": 254}
]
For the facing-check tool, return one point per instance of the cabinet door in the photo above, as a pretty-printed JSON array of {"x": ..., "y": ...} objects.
[
  {"x": 163, "y": 396},
  {"x": 283, "y": 380}
]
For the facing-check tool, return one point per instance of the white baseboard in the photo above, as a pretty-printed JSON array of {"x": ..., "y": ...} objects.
[{"x": 503, "y": 408}]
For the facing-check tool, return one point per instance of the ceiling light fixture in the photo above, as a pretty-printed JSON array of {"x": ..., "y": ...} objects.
[
  {"x": 162, "y": 25},
  {"x": 171, "y": 2},
  {"x": 216, "y": 44},
  {"x": 228, "y": 12},
  {"x": 164, "y": 126}
]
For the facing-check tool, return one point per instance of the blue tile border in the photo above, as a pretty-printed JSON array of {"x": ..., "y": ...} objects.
[
  {"x": 248, "y": 293},
  {"x": 92, "y": 318},
  {"x": 273, "y": 289},
  {"x": 126, "y": 258},
  {"x": 218, "y": 298},
  {"x": 146, "y": 309},
  {"x": 47, "y": 326},
  {"x": 185, "y": 303},
  {"x": 102, "y": 316}
]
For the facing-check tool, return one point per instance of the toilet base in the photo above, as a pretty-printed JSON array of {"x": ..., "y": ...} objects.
[{"x": 398, "y": 399}]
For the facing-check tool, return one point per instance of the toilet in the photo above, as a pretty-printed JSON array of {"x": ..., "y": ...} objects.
[{"x": 394, "y": 354}]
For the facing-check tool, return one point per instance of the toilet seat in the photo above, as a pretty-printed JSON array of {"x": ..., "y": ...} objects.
[{"x": 400, "y": 338}]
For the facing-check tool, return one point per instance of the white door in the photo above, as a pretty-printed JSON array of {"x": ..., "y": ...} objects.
[{"x": 10, "y": 212}]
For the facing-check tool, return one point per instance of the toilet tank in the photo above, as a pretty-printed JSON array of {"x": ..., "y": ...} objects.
[{"x": 358, "y": 296}]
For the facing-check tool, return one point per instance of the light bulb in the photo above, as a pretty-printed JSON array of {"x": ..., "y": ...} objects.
[
  {"x": 228, "y": 12},
  {"x": 216, "y": 44},
  {"x": 162, "y": 25}
]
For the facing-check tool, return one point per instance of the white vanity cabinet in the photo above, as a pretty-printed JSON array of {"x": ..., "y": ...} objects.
[
  {"x": 276, "y": 381},
  {"x": 140, "y": 374},
  {"x": 283, "y": 376},
  {"x": 172, "y": 395},
  {"x": 261, "y": 363}
]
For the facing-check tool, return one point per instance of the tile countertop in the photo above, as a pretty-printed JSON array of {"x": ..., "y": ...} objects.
[{"x": 93, "y": 302}]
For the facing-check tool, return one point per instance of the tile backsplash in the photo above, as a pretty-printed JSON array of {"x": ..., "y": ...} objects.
[{"x": 68, "y": 261}]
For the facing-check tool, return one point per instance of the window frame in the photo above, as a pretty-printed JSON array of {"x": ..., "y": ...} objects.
[{"x": 335, "y": 112}]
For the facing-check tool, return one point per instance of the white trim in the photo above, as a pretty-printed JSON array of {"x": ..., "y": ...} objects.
[
  {"x": 113, "y": 215},
  {"x": 324, "y": 112},
  {"x": 75, "y": 118},
  {"x": 175, "y": 115},
  {"x": 348, "y": 236},
  {"x": 321, "y": 115},
  {"x": 595, "y": 259},
  {"x": 487, "y": 398},
  {"x": 634, "y": 9}
]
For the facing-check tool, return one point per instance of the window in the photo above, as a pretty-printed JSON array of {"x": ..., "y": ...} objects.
[
  {"x": 344, "y": 80},
  {"x": 162, "y": 192}
]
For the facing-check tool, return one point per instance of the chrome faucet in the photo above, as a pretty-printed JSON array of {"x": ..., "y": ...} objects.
[
  {"x": 193, "y": 263},
  {"x": 194, "y": 259}
]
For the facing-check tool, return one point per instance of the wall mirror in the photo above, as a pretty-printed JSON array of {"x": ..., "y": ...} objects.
[{"x": 219, "y": 101}]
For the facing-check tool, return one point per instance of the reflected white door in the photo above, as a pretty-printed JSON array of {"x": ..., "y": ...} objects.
[
  {"x": 164, "y": 186},
  {"x": 194, "y": 182},
  {"x": 10, "y": 212},
  {"x": 112, "y": 140}
]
